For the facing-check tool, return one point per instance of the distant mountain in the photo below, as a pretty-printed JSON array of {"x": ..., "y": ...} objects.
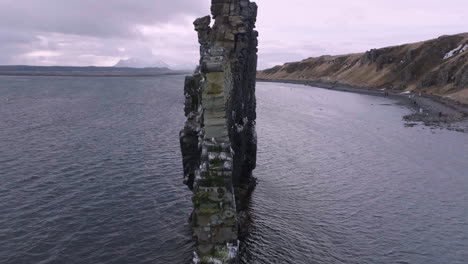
[
  {"x": 142, "y": 63},
  {"x": 24, "y": 70},
  {"x": 183, "y": 67},
  {"x": 438, "y": 66}
]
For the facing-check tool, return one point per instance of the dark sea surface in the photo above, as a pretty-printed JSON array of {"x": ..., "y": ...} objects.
[{"x": 90, "y": 172}]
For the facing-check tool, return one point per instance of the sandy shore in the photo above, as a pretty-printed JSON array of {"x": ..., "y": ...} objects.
[{"x": 433, "y": 111}]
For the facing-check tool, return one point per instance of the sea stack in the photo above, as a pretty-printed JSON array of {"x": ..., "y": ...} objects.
[{"x": 218, "y": 141}]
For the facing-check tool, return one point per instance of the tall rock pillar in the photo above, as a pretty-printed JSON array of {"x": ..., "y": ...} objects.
[{"x": 218, "y": 141}]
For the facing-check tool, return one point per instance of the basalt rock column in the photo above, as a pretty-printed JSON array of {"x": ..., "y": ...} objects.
[{"x": 218, "y": 141}]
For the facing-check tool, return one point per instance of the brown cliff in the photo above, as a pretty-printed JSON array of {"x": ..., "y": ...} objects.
[{"x": 438, "y": 66}]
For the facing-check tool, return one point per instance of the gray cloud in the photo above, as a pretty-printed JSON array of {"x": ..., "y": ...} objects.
[
  {"x": 97, "y": 32},
  {"x": 100, "y": 32},
  {"x": 99, "y": 18}
]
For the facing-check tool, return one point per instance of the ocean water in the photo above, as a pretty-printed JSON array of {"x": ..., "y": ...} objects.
[
  {"x": 342, "y": 180},
  {"x": 90, "y": 172}
]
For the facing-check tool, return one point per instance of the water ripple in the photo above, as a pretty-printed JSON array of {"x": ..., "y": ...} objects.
[
  {"x": 91, "y": 173},
  {"x": 341, "y": 180}
]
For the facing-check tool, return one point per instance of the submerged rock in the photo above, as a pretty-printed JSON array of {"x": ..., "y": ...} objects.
[{"x": 218, "y": 141}]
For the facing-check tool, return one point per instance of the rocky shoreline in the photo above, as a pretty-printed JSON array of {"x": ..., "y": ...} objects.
[{"x": 432, "y": 111}]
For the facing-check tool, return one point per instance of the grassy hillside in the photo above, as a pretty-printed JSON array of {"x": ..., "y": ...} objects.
[{"x": 438, "y": 66}]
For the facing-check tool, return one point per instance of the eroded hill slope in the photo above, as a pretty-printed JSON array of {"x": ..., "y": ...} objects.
[{"x": 438, "y": 66}]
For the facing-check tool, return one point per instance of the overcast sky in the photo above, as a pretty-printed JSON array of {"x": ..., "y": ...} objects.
[{"x": 101, "y": 32}]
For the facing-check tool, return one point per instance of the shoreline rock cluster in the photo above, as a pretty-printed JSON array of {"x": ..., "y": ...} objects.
[{"x": 218, "y": 141}]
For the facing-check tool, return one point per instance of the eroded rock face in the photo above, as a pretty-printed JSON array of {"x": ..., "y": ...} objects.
[{"x": 218, "y": 141}]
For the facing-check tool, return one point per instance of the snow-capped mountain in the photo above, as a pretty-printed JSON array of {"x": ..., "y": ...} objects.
[{"x": 141, "y": 63}]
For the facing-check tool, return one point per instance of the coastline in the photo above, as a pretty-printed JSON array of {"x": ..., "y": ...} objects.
[
  {"x": 85, "y": 74},
  {"x": 454, "y": 114}
]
